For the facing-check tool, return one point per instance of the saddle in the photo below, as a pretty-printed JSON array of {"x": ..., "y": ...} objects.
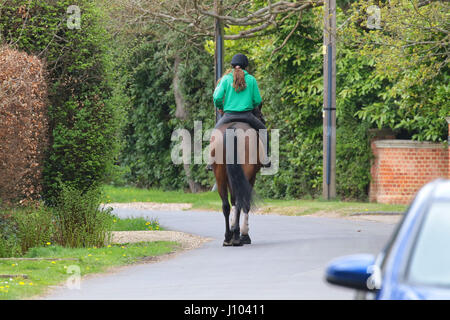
[{"x": 257, "y": 113}]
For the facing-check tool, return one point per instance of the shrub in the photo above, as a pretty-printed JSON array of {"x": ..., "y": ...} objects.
[
  {"x": 83, "y": 120},
  {"x": 79, "y": 220},
  {"x": 76, "y": 221},
  {"x": 34, "y": 227},
  {"x": 24, "y": 228},
  {"x": 23, "y": 125},
  {"x": 8, "y": 235}
]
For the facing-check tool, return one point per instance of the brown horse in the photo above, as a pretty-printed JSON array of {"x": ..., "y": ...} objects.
[{"x": 235, "y": 170}]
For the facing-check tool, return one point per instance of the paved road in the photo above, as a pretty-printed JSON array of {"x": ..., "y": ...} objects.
[{"x": 285, "y": 261}]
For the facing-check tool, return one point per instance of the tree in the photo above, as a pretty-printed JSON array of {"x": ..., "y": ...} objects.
[
  {"x": 195, "y": 18},
  {"x": 410, "y": 51}
]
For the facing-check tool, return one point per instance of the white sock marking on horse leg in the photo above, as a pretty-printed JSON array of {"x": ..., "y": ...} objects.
[
  {"x": 233, "y": 217},
  {"x": 244, "y": 229}
]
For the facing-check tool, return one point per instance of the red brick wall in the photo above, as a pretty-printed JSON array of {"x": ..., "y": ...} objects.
[
  {"x": 448, "y": 142},
  {"x": 402, "y": 167}
]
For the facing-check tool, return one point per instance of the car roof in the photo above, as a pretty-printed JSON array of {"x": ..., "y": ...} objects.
[{"x": 441, "y": 189}]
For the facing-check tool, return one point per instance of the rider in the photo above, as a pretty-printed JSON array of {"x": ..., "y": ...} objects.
[{"x": 237, "y": 95}]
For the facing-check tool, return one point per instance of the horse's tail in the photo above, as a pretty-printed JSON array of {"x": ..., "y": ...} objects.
[{"x": 240, "y": 186}]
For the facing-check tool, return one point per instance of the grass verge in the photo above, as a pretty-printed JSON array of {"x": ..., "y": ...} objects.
[
  {"x": 211, "y": 201},
  {"x": 41, "y": 274},
  {"x": 134, "y": 224},
  {"x": 203, "y": 200},
  {"x": 305, "y": 207}
]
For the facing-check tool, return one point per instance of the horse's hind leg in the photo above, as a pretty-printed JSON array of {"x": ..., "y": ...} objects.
[
  {"x": 233, "y": 209},
  {"x": 226, "y": 214},
  {"x": 222, "y": 188},
  {"x": 236, "y": 227},
  {"x": 245, "y": 238}
]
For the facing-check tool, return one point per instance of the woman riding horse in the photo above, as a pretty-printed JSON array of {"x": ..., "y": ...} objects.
[{"x": 237, "y": 95}]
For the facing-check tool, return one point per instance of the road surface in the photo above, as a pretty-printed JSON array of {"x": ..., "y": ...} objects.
[{"x": 286, "y": 260}]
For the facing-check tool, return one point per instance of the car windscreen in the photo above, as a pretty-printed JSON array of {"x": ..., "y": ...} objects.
[{"x": 430, "y": 260}]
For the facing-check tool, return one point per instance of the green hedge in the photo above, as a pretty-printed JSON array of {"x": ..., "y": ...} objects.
[
  {"x": 291, "y": 82},
  {"x": 151, "y": 115},
  {"x": 291, "y": 85},
  {"x": 146, "y": 151}
]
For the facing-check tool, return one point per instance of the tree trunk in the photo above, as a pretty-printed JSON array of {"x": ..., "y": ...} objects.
[{"x": 181, "y": 113}]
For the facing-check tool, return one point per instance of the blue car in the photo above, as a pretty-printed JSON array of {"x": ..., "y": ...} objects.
[{"x": 415, "y": 264}]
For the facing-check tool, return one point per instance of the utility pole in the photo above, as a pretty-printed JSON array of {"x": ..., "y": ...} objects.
[
  {"x": 218, "y": 53},
  {"x": 329, "y": 100},
  {"x": 219, "y": 46}
]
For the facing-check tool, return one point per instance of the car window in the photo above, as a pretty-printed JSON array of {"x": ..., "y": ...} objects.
[
  {"x": 387, "y": 249},
  {"x": 430, "y": 259}
]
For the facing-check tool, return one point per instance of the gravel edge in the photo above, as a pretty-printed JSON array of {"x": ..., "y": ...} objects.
[{"x": 187, "y": 241}]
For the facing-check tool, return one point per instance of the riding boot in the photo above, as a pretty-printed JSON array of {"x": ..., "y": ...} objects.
[{"x": 269, "y": 163}]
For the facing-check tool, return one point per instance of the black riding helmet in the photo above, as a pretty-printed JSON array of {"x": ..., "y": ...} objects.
[{"x": 239, "y": 60}]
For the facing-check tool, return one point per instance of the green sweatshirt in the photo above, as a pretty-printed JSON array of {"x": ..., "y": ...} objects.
[{"x": 227, "y": 99}]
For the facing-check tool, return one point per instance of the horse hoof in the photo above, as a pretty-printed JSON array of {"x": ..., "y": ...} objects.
[
  {"x": 245, "y": 239},
  {"x": 227, "y": 243},
  {"x": 237, "y": 243}
]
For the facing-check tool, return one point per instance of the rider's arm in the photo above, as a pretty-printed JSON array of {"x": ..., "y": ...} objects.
[
  {"x": 219, "y": 94},
  {"x": 256, "y": 95}
]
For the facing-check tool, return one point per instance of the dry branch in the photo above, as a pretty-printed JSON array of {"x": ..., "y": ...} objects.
[{"x": 196, "y": 18}]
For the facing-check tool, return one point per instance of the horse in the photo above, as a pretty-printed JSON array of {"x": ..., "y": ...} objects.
[{"x": 236, "y": 177}]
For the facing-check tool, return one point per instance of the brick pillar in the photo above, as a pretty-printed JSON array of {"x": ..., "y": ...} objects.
[
  {"x": 448, "y": 143},
  {"x": 376, "y": 135}
]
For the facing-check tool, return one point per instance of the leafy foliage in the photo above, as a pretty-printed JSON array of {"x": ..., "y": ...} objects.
[
  {"x": 75, "y": 220},
  {"x": 24, "y": 228},
  {"x": 410, "y": 53},
  {"x": 83, "y": 119},
  {"x": 392, "y": 77},
  {"x": 291, "y": 82},
  {"x": 79, "y": 220},
  {"x": 35, "y": 227},
  {"x": 149, "y": 86},
  {"x": 148, "y": 133}
]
